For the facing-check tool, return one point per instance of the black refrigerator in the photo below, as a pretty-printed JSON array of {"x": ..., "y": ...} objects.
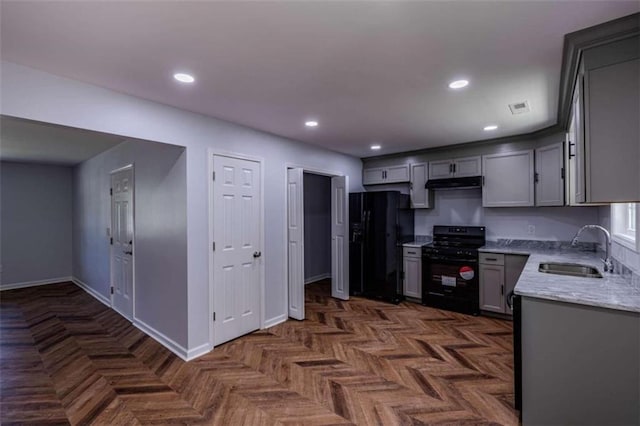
[{"x": 379, "y": 223}]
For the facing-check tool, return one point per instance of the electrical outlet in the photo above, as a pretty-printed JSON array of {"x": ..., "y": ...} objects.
[{"x": 531, "y": 230}]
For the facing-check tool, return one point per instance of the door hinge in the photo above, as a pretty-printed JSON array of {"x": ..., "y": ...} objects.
[
  {"x": 213, "y": 176},
  {"x": 562, "y": 173},
  {"x": 111, "y": 240},
  {"x": 214, "y": 246},
  {"x": 110, "y": 191},
  {"x": 112, "y": 290},
  {"x": 214, "y": 316}
]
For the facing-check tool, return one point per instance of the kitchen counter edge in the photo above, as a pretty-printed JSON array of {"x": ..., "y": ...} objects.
[{"x": 613, "y": 291}]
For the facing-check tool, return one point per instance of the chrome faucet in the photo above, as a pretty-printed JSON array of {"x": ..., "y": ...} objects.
[{"x": 608, "y": 265}]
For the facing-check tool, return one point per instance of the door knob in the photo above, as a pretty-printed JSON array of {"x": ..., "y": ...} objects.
[{"x": 257, "y": 254}]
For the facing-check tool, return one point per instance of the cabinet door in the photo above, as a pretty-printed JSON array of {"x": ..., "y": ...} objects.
[
  {"x": 373, "y": 176},
  {"x": 612, "y": 108},
  {"x": 508, "y": 179},
  {"x": 492, "y": 297},
  {"x": 550, "y": 175},
  {"x": 412, "y": 284},
  {"x": 420, "y": 198},
  {"x": 396, "y": 174},
  {"x": 579, "y": 195},
  {"x": 441, "y": 169},
  {"x": 470, "y": 166}
]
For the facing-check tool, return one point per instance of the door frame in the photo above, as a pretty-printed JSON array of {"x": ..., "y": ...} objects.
[
  {"x": 211, "y": 211},
  {"x": 133, "y": 230},
  {"x": 305, "y": 169}
]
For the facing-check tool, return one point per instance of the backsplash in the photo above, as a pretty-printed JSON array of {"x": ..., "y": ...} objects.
[{"x": 464, "y": 207}]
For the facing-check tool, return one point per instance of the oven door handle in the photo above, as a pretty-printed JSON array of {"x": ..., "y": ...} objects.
[{"x": 451, "y": 261}]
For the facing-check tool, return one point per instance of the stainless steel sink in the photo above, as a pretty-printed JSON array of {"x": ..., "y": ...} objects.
[{"x": 573, "y": 269}]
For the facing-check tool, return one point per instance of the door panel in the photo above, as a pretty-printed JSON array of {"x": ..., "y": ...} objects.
[
  {"x": 339, "y": 238},
  {"x": 237, "y": 255},
  {"x": 492, "y": 296},
  {"x": 122, "y": 242},
  {"x": 470, "y": 166},
  {"x": 295, "y": 238}
]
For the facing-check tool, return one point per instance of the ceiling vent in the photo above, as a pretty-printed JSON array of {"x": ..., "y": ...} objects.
[{"x": 519, "y": 107}]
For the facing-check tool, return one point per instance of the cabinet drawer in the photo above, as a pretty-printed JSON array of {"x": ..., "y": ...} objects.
[
  {"x": 492, "y": 258},
  {"x": 411, "y": 252}
]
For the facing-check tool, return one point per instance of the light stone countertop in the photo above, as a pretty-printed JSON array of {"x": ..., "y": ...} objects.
[{"x": 613, "y": 291}]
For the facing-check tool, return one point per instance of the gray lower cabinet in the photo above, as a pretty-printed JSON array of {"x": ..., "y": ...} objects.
[
  {"x": 412, "y": 271},
  {"x": 580, "y": 364},
  {"x": 499, "y": 274}
]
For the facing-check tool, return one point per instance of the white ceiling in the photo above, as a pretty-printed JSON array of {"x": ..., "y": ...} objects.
[
  {"x": 369, "y": 72},
  {"x": 34, "y": 142}
]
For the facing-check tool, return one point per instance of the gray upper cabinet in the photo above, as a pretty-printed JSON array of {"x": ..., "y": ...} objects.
[
  {"x": 549, "y": 177},
  {"x": 508, "y": 179},
  {"x": 420, "y": 196},
  {"x": 457, "y": 167},
  {"x": 388, "y": 174},
  {"x": 609, "y": 100}
]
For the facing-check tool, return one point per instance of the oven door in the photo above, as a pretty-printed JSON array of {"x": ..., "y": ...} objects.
[{"x": 450, "y": 277}]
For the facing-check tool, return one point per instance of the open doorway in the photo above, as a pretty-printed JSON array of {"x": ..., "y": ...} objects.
[
  {"x": 317, "y": 232},
  {"x": 317, "y": 226}
]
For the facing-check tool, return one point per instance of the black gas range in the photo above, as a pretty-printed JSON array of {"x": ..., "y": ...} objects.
[{"x": 450, "y": 268}]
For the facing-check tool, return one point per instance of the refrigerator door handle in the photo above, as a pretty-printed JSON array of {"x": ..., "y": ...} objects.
[{"x": 367, "y": 223}]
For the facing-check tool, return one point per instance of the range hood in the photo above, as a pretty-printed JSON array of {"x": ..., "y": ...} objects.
[{"x": 455, "y": 183}]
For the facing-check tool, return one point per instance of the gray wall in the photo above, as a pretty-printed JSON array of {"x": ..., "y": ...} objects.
[
  {"x": 464, "y": 207},
  {"x": 317, "y": 226},
  {"x": 160, "y": 224},
  {"x": 36, "y": 95},
  {"x": 623, "y": 254},
  {"x": 35, "y": 222}
]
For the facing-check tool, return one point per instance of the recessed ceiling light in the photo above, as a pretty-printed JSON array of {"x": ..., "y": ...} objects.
[
  {"x": 184, "y": 78},
  {"x": 489, "y": 128},
  {"x": 311, "y": 123},
  {"x": 375, "y": 147},
  {"x": 458, "y": 84}
]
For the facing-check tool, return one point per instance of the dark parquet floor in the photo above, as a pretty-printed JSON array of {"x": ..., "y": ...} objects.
[{"x": 67, "y": 359}]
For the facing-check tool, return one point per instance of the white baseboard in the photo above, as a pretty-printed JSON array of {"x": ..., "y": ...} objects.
[
  {"x": 275, "y": 320},
  {"x": 165, "y": 341},
  {"x": 100, "y": 297},
  {"x": 317, "y": 278},
  {"x": 198, "y": 351},
  {"x": 34, "y": 283}
]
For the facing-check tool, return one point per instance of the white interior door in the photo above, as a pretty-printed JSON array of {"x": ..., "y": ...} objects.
[
  {"x": 122, "y": 241},
  {"x": 237, "y": 250},
  {"x": 339, "y": 240},
  {"x": 295, "y": 242}
]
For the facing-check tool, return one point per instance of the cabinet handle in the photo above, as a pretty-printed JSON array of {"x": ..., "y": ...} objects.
[
  {"x": 491, "y": 259},
  {"x": 454, "y": 167},
  {"x": 536, "y": 177},
  {"x": 502, "y": 290},
  {"x": 571, "y": 155},
  {"x": 411, "y": 252},
  {"x": 450, "y": 168}
]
